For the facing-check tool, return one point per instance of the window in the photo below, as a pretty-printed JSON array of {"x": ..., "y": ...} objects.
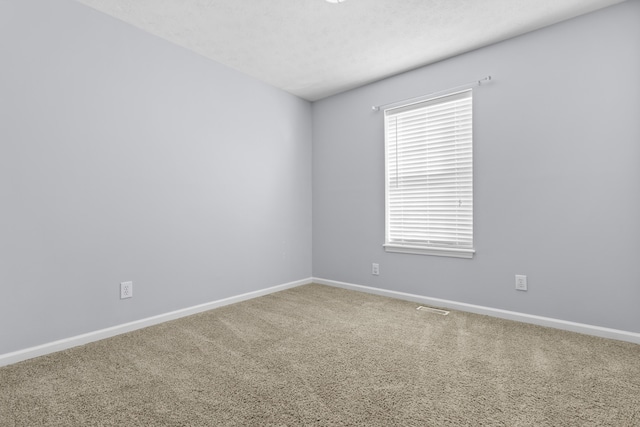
[{"x": 429, "y": 177}]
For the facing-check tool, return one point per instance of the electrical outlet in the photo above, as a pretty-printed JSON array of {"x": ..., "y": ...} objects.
[
  {"x": 521, "y": 282},
  {"x": 126, "y": 290},
  {"x": 375, "y": 269}
]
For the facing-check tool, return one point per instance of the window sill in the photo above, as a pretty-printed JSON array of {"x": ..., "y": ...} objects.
[{"x": 418, "y": 250}]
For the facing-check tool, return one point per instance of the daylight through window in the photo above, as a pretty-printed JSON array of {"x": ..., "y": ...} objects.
[{"x": 429, "y": 177}]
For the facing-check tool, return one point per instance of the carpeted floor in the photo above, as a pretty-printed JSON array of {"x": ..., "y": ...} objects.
[{"x": 316, "y": 355}]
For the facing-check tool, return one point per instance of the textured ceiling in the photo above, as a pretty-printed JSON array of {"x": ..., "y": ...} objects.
[{"x": 313, "y": 49}]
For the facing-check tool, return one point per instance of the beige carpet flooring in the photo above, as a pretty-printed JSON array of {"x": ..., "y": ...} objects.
[{"x": 316, "y": 355}]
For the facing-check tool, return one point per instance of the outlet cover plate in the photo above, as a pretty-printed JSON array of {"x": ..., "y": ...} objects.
[
  {"x": 126, "y": 290},
  {"x": 521, "y": 282}
]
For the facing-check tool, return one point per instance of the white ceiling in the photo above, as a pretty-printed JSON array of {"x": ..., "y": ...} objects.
[{"x": 313, "y": 49}]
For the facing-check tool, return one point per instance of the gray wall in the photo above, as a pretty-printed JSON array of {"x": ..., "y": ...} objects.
[
  {"x": 557, "y": 181},
  {"x": 124, "y": 157}
]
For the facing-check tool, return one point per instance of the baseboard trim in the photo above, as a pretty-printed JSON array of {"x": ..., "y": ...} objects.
[
  {"x": 494, "y": 312},
  {"x": 64, "y": 344}
]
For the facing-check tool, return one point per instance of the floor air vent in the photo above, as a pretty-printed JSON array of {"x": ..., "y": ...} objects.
[{"x": 433, "y": 310}]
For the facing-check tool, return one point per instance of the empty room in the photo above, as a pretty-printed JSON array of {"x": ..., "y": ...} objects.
[{"x": 319, "y": 212}]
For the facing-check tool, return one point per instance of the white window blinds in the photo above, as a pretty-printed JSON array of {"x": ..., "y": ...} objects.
[{"x": 429, "y": 177}]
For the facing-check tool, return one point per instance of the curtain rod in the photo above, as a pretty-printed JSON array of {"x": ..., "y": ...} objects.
[{"x": 466, "y": 85}]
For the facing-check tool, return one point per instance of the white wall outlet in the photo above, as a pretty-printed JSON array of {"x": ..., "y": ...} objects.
[
  {"x": 521, "y": 282},
  {"x": 375, "y": 269},
  {"x": 126, "y": 290}
]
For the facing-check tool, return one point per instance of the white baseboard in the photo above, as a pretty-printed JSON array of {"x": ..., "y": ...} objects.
[
  {"x": 52, "y": 347},
  {"x": 494, "y": 312}
]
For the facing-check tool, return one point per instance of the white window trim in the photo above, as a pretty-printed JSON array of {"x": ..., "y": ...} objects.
[
  {"x": 431, "y": 250},
  {"x": 419, "y": 249}
]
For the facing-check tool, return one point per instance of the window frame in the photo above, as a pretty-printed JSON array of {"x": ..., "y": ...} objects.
[{"x": 424, "y": 247}]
